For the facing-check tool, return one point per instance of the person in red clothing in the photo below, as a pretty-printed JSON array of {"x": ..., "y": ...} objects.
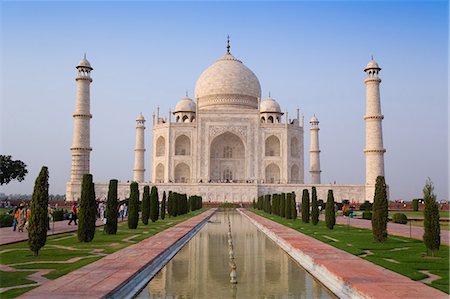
[{"x": 73, "y": 214}]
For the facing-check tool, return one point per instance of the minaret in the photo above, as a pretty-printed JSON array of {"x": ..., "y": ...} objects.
[
  {"x": 81, "y": 146},
  {"x": 139, "y": 150},
  {"x": 314, "y": 152},
  {"x": 374, "y": 150}
]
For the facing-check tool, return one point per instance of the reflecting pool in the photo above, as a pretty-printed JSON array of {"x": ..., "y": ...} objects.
[{"x": 202, "y": 268}]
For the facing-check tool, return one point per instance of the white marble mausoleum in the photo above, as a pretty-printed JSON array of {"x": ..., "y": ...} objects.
[{"x": 227, "y": 144}]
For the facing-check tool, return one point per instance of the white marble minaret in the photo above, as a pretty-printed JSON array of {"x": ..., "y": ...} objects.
[
  {"x": 139, "y": 151},
  {"x": 374, "y": 150},
  {"x": 81, "y": 146},
  {"x": 314, "y": 152}
]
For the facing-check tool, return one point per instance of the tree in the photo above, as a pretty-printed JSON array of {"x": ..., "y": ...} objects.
[
  {"x": 305, "y": 206},
  {"x": 111, "y": 209},
  {"x": 133, "y": 206},
  {"x": 288, "y": 206},
  {"x": 154, "y": 204},
  {"x": 38, "y": 222},
  {"x": 330, "y": 213},
  {"x": 163, "y": 206},
  {"x": 11, "y": 170},
  {"x": 314, "y": 207},
  {"x": 431, "y": 226},
  {"x": 283, "y": 205},
  {"x": 88, "y": 210},
  {"x": 293, "y": 207},
  {"x": 380, "y": 211},
  {"x": 170, "y": 204},
  {"x": 146, "y": 205}
]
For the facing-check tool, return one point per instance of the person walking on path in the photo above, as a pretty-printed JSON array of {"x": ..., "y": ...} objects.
[
  {"x": 22, "y": 217},
  {"x": 49, "y": 215},
  {"x": 16, "y": 218},
  {"x": 73, "y": 214}
]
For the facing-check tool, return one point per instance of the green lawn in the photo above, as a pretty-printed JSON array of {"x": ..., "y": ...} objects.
[
  {"x": 409, "y": 254},
  {"x": 418, "y": 214},
  {"x": 65, "y": 247}
]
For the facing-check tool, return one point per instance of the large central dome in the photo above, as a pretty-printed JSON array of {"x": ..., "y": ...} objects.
[{"x": 227, "y": 83}]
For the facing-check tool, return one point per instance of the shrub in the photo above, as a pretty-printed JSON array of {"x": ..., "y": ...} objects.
[
  {"x": 314, "y": 207},
  {"x": 145, "y": 205},
  {"x": 380, "y": 211},
  {"x": 345, "y": 201},
  {"x": 431, "y": 226},
  {"x": 366, "y": 206},
  {"x": 400, "y": 218},
  {"x": 288, "y": 206},
  {"x": 6, "y": 220},
  {"x": 228, "y": 205},
  {"x": 133, "y": 206},
  {"x": 111, "y": 209},
  {"x": 88, "y": 210},
  {"x": 367, "y": 215},
  {"x": 58, "y": 215},
  {"x": 283, "y": 205},
  {"x": 330, "y": 213},
  {"x": 339, "y": 206},
  {"x": 415, "y": 204},
  {"x": 305, "y": 206}
]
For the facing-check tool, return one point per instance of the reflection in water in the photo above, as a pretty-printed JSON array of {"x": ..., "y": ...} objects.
[{"x": 201, "y": 269}]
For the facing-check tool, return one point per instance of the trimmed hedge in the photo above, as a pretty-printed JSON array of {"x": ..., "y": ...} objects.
[
  {"x": 400, "y": 218},
  {"x": 367, "y": 215},
  {"x": 6, "y": 220}
]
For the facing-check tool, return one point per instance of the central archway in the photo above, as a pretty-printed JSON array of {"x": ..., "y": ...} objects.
[{"x": 227, "y": 158}]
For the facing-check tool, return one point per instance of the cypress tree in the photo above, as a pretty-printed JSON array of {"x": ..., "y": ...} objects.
[
  {"x": 305, "y": 206},
  {"x": 268, "y": 205},
  {"x": 431, "y": 225},
  {"x": 175, "y": 205},
  {"x": 293, "y": 207},
  {"x": 163, "y": 206},
  {"x": 314, "y": 207},
  {"x": 288, "y": 206},
  {"x": 145, "y": 205},
  {"x": 154, "y": 204},
  {"x": 185, "y": 204},
  {"x": 380, "y": 211},
  {"x": 133, "y": 206},
  {"x": 283, "y": 205},
  {"x": 111, "y": 209},
  {"x": 330, "y": 213},
  {"x": 38, "y": 221},
  {"x": 88, "y": 210},
  {"x": 170, "y": 204}
]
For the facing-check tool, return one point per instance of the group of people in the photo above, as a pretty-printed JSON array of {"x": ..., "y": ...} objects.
[
  {"x": 101, "y": 212},
  {"x": 21, "y": 213}
]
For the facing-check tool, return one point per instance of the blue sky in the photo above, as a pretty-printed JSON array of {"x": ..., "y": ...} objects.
[{"x": 308, "y": 54}]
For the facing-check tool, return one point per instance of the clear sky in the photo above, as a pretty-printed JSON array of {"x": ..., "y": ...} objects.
[{"x": 310, "y": 55}]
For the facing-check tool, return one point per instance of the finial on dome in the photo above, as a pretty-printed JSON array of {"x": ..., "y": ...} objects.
[
  {"x": 84, "y": 55},
  {"x": 187, "y": 95},
  {"x": 228, "y": 44},
  {"x": 269, "y": 94},
  {"x": 371, "y": 57}
]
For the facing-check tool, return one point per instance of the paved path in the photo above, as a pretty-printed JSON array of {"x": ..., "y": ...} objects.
[
  {"x": 343, "y": 272},
  {"x": 404, "y": 230},
  {"x": 8, "y": 236},
  {"x": 100, "y": 278}
]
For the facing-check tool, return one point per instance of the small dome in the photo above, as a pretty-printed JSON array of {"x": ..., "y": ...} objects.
[
  {"x": 185, "y": 105},
  {"x": 84, "y": 63},
  {"x": 314, "y": 119},
  {"x": 140, "y": 117},
  {"x": 269, "y": 105},
  {"x": 372, "y": 65}
]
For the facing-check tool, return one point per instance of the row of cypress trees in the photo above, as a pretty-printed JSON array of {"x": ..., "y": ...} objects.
[
  {"x": 283, "y": 204},
  {"x": 312, "y": 212}
]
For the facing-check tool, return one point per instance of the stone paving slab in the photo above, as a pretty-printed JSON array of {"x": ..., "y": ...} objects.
[
  {"x": 354, "y": 276},
  {"x": 100, "y": 278},
  {"x": 395, "y": 229}
]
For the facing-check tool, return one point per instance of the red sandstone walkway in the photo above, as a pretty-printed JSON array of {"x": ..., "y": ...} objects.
[
  {"x": 8, "y": 236},
  {"x": 393, "y": 228},
  {"x": 98, "y": 279},
  {"x": 368, "y": 279}
]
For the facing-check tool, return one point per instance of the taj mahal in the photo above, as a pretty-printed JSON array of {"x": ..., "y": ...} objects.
[{"x": 226, "y": 144}]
